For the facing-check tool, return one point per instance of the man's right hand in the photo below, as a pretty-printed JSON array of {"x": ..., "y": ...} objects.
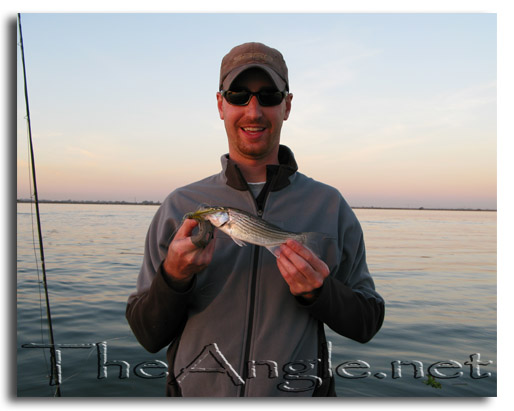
[{"x": 184, "y": 259}]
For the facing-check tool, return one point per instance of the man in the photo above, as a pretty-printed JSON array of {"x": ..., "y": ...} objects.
[{"x": 239, "y": 321}]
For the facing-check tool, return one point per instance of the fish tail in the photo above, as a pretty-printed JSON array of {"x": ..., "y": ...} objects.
[
  {"x": 274, "y": 249},
  {"x": 308, "y": 240}
]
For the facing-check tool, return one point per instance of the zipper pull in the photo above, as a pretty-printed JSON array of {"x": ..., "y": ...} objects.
[{"x": 259, "y": 213}]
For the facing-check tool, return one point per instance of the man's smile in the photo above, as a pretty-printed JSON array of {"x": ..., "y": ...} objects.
[
  {"x": 253, "y": 132},
  {"x": 253, "y": 129}
]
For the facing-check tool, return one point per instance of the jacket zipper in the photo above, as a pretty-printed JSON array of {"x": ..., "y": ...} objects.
[
  {"x": 248, "y": 343},
  {"x": 246, "y": 358}
]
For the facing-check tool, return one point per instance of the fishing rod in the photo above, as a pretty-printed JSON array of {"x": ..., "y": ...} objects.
[{"x": 55, "y": 374}]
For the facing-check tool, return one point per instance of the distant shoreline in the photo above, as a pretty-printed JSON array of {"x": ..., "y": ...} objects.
[
  {"x": 157, "y": 203},
  {"x": 24, "y": 200}
]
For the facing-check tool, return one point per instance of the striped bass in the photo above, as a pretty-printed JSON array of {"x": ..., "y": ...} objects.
[{"x": 244, "y": 228}]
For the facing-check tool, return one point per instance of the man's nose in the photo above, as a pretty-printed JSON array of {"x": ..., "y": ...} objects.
[{"x": 253, "y": 107}]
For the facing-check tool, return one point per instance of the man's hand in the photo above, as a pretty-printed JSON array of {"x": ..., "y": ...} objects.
[
  {"x": 184, "y": 259},
  {"x": 303, "y": 271}
]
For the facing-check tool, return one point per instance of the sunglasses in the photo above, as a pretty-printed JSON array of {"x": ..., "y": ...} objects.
[{"x": 266, "y": 98}]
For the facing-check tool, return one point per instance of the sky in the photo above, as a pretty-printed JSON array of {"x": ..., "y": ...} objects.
[{"x": 394, "y": 110}]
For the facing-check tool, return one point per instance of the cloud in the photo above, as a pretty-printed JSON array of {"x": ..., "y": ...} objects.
[{"x": 81, "y": 152}]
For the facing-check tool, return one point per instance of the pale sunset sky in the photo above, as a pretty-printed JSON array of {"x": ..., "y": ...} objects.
[{"x": 394, "y": 110}]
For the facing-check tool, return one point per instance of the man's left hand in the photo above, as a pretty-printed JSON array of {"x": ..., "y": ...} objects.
[{"x": 303, "y": 271}]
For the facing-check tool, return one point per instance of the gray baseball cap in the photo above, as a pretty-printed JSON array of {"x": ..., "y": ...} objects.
[{"x": 249, "y": 55}]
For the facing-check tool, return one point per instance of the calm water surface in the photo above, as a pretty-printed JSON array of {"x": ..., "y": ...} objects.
[{"x": 435, "y": 269}]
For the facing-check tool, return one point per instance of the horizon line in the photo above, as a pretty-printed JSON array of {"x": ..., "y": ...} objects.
[{"x": 158, "y": 203}]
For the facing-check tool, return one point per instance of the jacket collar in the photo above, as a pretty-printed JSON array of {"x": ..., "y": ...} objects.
[{"x": 279, "y": 174}]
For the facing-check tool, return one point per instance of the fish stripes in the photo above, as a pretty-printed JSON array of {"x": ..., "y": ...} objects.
[{"x": 241, "y": 226}]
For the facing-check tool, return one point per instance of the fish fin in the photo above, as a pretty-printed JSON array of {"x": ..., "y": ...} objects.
[
  {"x": 238, "y": 242},
  {"x": 312, "y": 242},
  {"x": 274, "y": 249}
]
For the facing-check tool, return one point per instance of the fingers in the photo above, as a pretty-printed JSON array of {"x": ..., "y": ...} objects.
[
  {"x": 205, "y": 254},
  {"x": 184, "y": 248},
  {"x": 303, "y": 271},
  {"x": 300, "y": 276},
  {"x": 185, "y": 259},
  {"x": 186, "y": 229},
  {"x": 198, "y": 240},
  {"x": 302, "y": 252}
]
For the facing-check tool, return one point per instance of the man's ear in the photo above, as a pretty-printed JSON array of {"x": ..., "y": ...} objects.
[
  {"x": 219, "y": 98},
  {"x": 289, "y": 97}
]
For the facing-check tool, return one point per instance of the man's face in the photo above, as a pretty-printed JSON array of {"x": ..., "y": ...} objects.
[{"x": 253, "y": 130}]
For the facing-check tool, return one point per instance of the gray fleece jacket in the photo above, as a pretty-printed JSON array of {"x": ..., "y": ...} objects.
[{"x": 238, "y": 331}]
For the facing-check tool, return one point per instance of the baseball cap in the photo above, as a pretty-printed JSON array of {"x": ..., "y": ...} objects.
[{"x": 249, "y": 55}]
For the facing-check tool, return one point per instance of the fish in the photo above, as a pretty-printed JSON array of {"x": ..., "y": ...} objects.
[{"x": 244, "y": 228}]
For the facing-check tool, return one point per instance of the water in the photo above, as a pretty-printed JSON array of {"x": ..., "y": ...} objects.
[{"x": 435, "y": 269}]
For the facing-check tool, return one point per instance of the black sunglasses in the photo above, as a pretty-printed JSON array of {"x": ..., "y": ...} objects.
[{"x": 266, "y": 98}]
